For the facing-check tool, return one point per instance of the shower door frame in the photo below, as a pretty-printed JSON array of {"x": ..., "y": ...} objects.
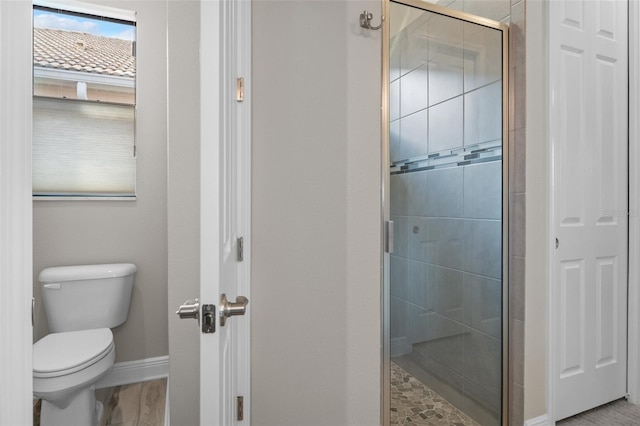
[{"x": 385, "y": 415}]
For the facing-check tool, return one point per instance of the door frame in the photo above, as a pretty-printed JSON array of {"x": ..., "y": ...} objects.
[
  {"x": 633, "y": 277},
  {"x": 633, "y": 319},
  {"x": 16, "y": 253}
]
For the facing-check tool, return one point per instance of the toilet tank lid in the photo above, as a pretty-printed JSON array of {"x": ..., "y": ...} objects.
[{"x": 86, "y": 272}]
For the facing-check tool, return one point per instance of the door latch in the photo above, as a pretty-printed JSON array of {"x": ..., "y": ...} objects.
[
  {"x": 208, "y": 318},
  {"x": 191, "y": 309}
]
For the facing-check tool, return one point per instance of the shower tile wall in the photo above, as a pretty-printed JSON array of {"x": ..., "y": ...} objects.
[{"x": 446, "y": 291}]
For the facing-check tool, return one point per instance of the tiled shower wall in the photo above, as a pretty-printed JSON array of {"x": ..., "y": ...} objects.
[
  {"x": 457, "y": 300},
  {"x": 445, "y": 283},
  {"x": 446, "y": 204},
  {"x": 512, "y": 12}
]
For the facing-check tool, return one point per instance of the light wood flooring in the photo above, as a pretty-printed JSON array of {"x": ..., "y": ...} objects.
[{"x": 137, "y": 404}]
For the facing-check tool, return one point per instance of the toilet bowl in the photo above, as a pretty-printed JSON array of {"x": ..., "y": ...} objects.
[
  {"x": 65, "y": 368},
  {"x": 82, "y": 304}
]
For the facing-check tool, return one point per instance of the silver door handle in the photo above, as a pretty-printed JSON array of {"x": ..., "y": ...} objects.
[
  {"x": 189, "y": 309},
  {"x": 228, "y": 309}
]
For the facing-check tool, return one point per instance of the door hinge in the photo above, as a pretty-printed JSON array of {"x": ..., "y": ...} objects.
[
  {"x": 240, "y": 89},
  {"x": 240, "y": 408},
  {"x": 240, "y": 249}
]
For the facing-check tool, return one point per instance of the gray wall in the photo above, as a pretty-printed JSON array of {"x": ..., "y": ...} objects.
[
  {"x": 184, "y": 206},
  {"x": 82, "y": 232},
  {"x": 316, "y": 215},
  {"x": 538, "y": 173}
]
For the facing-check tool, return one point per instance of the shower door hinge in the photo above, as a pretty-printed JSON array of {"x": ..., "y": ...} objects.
[
  {"x": 240, "y": 249},
  {"x": 240, "y": 89},
  {"x": 239, "y": 408}
]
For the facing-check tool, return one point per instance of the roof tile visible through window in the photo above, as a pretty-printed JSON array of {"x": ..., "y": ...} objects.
[{"x": 70, "y": 50}]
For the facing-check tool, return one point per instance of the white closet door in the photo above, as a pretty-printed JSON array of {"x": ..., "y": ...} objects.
[{"x": 588, "y": 129}]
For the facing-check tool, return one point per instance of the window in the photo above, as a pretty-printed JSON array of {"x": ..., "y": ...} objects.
[{"x": 84, "y": 75}]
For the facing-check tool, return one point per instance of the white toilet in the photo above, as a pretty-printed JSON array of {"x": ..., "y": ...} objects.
[{"x": 82, "y": 304}]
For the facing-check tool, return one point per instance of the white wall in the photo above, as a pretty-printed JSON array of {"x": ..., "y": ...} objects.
[
  {"x": 316, "y": 215},
  {"x": 81, "y": 232}
]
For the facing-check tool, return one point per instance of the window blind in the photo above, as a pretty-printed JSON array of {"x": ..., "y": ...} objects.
[{"x": 83, "y": 148}]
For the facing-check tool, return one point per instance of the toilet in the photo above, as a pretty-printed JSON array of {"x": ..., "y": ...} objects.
[{"x": 82, "y": 304}]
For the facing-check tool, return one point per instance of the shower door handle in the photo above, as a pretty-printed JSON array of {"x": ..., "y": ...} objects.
[{"x": 388, "y": 236}]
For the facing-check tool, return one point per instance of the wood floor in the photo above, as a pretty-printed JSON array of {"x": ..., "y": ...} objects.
[{"x": 137, "y": 404}]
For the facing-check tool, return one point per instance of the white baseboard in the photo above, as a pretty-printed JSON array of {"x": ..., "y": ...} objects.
[
  {"x": 538, "y": 421},
  {"x": 124, "y": 373}
]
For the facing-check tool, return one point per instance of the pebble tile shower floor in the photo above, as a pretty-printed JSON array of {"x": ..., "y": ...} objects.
[{"x": 412, "y": 403}]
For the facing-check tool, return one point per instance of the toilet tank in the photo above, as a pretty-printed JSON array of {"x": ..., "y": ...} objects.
[{"x": 87, "y": 296}]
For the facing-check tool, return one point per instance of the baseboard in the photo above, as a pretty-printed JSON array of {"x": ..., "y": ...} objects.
[
  {"x": 538, "y": 421},
  {"x": 124, "y": 373}
]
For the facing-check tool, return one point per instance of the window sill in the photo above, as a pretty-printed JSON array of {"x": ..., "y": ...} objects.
[{"x": 82, "y": 198}]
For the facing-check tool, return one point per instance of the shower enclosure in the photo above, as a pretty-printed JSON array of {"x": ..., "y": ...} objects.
[{"x": 445, "y": 195}]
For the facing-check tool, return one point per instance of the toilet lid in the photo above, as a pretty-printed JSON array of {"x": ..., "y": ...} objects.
[{"x": 65, "y": 353}]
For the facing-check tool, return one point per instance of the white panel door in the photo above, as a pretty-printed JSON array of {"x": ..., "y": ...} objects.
[
  {"x": 588, "y": 130},
  {"x": 225, "y": 196}
]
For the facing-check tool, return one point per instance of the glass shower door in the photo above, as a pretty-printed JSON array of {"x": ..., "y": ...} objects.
[{"x": 447, "y": 189}]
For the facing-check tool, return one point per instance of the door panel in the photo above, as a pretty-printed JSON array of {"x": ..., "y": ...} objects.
[
  {"x": 588, "y": 82},
  {"x": 572, "y": 317},
  {"x": 606, "y": 318}
]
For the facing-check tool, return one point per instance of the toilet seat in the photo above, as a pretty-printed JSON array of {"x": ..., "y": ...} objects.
[{"x": 60, "y": 354}]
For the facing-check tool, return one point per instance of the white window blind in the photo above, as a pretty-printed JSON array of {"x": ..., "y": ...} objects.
[{"x": 83, "y": 148}]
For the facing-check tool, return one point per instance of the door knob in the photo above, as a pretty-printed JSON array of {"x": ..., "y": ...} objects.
[
  {"x": 228, "y": 309},
  {"x": 189, "y": 309}
]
